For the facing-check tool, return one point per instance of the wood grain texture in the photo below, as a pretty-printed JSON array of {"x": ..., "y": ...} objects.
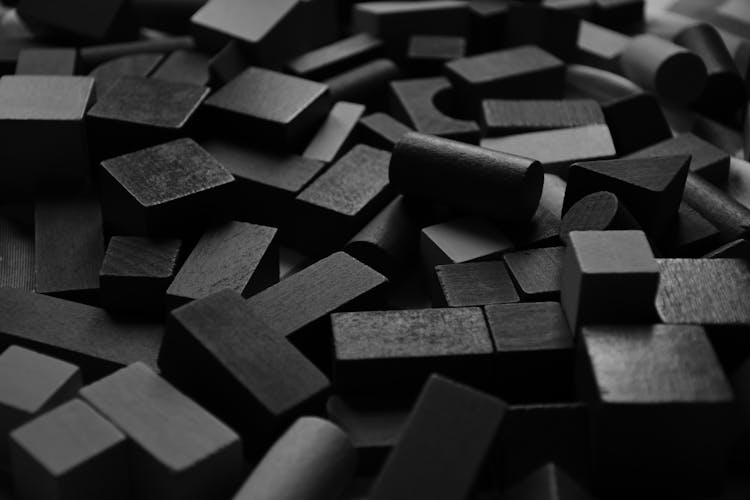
[
  {"x": 507, "y": 117},
  {"x": 471, "y": 418},
  {"x": 689, "y": 234},
  {"x": 93, "y": 340},
  {"x": 70, "y": 452},
  {"x": 313, "y": 459},
  {"x": 536, "y": 272},
  {"x": 334, "y": 135},
  {"x": 447, "y": 171},
  {"x": 107, "y": 73},
  {"x": 46, "y": 62},
  {"x": 380, "y": 130},
  {"x": 235, "y": 255},
  {"x": 636, "y": 122},
  {"x": 179, "y": 450},
  {"x": 729, "y": 216},
  {"x": 474, "y": 284},
  {"x": 184, "y": 66},
  {"x": 336, "y": 57},
  {"x": 17, "y": 248},
  {"x": 549, "y": 482},
  {"x": 599, "y": 211}
]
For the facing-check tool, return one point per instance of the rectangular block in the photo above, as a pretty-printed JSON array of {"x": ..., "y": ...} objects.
[
  {"x": 335, "y": 134},
  {"x": 332, "y": 59},
  {"x": 474, "y": 284},
  {"x": 507, "y": 117}
]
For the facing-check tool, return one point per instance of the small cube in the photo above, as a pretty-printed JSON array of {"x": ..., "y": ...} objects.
[{"x": 474, "y": 284}]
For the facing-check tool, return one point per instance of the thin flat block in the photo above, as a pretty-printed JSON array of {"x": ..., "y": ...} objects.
[
  {"x": 47, "y": 62},
  {"x": 179, "y": 450},
  {"x": 380, "y": 130},
  {"x": 235, "y": 255},
  {"x": 334, "y": 135},
  {"x": 507, "y": 117},
  {"x": 636, "y": 122},
  {"x": 17, "y": 248},
  {"x": 474, "y": 284},
  {"x": 80, "y": 18},
  {"x": 537, "y": 272},
  {"x": 71, "y": 452},
  {"x": 337, "y": 57},
  {"x": 107, "y": 73},
  {"x": 163, "y": 189}
]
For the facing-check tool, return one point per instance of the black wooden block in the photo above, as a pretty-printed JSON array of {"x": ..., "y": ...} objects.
[
  {"x": 335, "y": 134},
  {"x": 265, "y": 382},
  {"x": 227, "y": 63},
  {"x": 414, "y": 102},
  {"x": 68, "y": 271},
  {"x": 689, "y": 235},
  {"x": 474, "y": 284},
  {"x": 619, "y": 13},
  {"x": 95, "y": 341},
  {"x": 340, "y": 56},
  {"x": 536, "y": 272},
  {"x": 541, "y": 231},
  {"x": 234, "y": 255},
  {"x": 184, "y": 66},
  {"x": 157, "y": 43},
  {"x": 552, "y": 29},
  {"x": 729, "y": 216},
  {"x": 380, "y": 130},
  {"x": 266, "y": 181},
  {"x": 426, "y": 54},
  {"x": 47, "y": 62},
  {"x": 527, "y": 337},
  {"x": 136, "y": 272},
  {"x": 338, "y": 203},
  {"x": 423, "y": 463},
  {"x": 651, "y": 188},
  {"x": 138, "y": 112},
  {"x": 365, "y": 83},
  {"x": 737, "y": 249},
  {"x": 549, "y": 482},
  {"x": 298, "y": 307},
  {"x": 163, "y": 190},
  {"x": 660, "y": 388},
  {"x": 107, "y": 73},
  {"x": 506, "y": 117},
  {"x": 600, "y": 47},
  {"x": 594, "y": 83},
  {"x": 17, "y": 247},
  {"x": 278, "y": 110},
  {"x": 81, "y": 19},
  {"x": 42, "y": 121},
  {"x": 636, "y": 122},
  {"x": 599, "y": 211}
]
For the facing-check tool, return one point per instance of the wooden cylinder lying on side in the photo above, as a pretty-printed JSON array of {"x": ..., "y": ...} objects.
[
  {"x": 469, "y": 178},
  {"x": 673, "y": 72},
  {"x": 729, "y": 216},
  {"x": 313, "y": 460}
]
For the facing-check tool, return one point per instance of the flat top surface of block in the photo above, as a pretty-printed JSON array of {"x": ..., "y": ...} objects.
[
  {"x": 267, "y": 95},
  {"x": 249, "y": 21},
  {"x": 476, "y": 283},
  {"x": 167, "y": 172},
  {"x": 467, "y": 239},
  {"x": 653, "y": 174},
  {"x": 67, "y": 436},
  {"x": 36, "y": 97},
  {"x": 703, "y": 153},
  {"x": 150, "y": 101},
  {"x": 528, "y": 327},
  {"x": 29, "y": 379},
  {"x": 134, "y": 256},
  {"x": 541, "y": 114},
  {"x": 438, "y": 47},
  {"x": 410, "y": 333},
  {"x": 159, "y": 418},
  {"x": 503, "y": 64},
  {"x": 613, "y": 252},
  {"x": 351, "y": 183},
  {"x": 537, "y": 270},
  {"x": 655, "y": 364}
]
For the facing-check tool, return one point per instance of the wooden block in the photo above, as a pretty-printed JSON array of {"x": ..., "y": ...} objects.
[
  {"x": 672, "y": 72},
  {"x": 658, "y": 387},
  {"x": 228, "y": 62},
  {"x": 71, "y": 270},
  {"x": 426, "y": 54},
  {"x": 364, "y": 84},
  {"x": 333, "y": 59},
  {"x": 278, "y": 110},
  {"x": 689, "y": 235},
  {"x": 474, "y": 284},
  {"x": 338, "y": 203},
  {"x": 298, "y": 307},
  {"x": 42, "y": 120},
  {"x": 314, "y": 459},
  {"x": 380, "y": 130},
  {"x": 506, "y": 117},
  {"x": 737, "y": 185},
  {"x": 527, "y": 336},
  {"x": 593, "y": 83},
  {"x": 619, "y": 13},
  {"x": 553, "y": 194},
  {"x": 413, "y": 101},
  {"x": 651, "y": 188},
  {"x": 708, "y": 161},
  {"x": 93, "y": 55},
  {"x": 719, "y": 135},
  {"x": 389, "y": 241},
  {"x": 724, "y": 212},
  {"x": 449, "y": 172},
  {"x": 162, "y": 190},
  {"x": 404, "y": 347},
  {"x": 543, "y": 230},
  {"x": 178, "y": 449},
  {"x": 172, "y": 16},
  {"x": 142, "y": 112},
  {"x": 549, "y": 482},
  {"x": 608, "y": 276},
  {"x": 31, "y": 384},
  {"x": 444, "y": 408},
  {"x": 488, "y": 18},
  {"x": 266, "y": 383},
  {"x": 335, "y": 134},
  {"x": 599, "y": 211},
  {"x": 737, "y": 249},
  {"x": 266, "y": 181},
  {"x": 234, "y": 255},
  {"x": 184, "y": 66},
  {"x": 107, "y": 73},
  {"x": 80, "y": 19},
  {"x": 724, "y": 96},
  {"x": 47, "y": 62},
  {"x": 136, "y": 272},
  {"x": 521, "y": 72},
  {"x": 536, "y": 272},
  {"x": 636, "y": 122},
  {"x": 95, "y": 341},
  {"x": 600, "y": 47},
  {"x": 552, "y": 29},
  {"x": 556, "y": 150},
  {"x": 70, "y": 452},
  {"x": 17, "y": 248}
]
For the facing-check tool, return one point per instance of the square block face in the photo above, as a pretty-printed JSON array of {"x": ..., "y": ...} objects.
[
  {"x": 613, "y": 252},
  {"x": 654, "y": 364},
  {"x": 476, "y": 284},
  {"x": 28, "y": 380},
  {"x": 141, "y": 257},
  {"x": 44, "y": 98},
  {"x": 528, "y": 327},
  {"x": 164, "y": 173},
  {"x": 149, "y": 101}
]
